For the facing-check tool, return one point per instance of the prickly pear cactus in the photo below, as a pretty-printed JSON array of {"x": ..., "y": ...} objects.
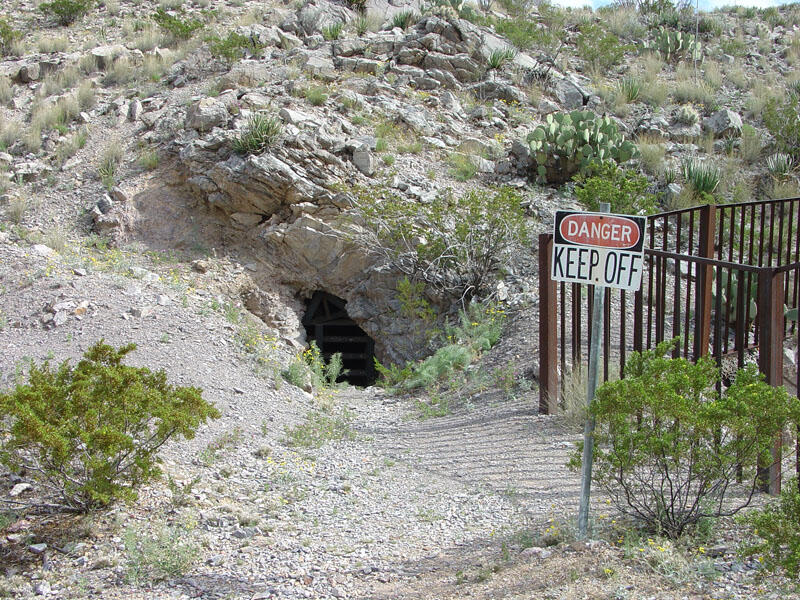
[
  {"x": 672, "y": 45},
  {"x": 568, "y": 142}
]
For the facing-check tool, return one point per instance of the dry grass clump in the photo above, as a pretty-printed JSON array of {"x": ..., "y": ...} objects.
[
  {"x": 738, "y": 77},
  {"x": 32, "y": 140},
  {"x": 51, "y": 44},
  {"x": 148, "y": 38},
  {"x": 56, "y": 83},
  {"x": 758, "y": 99},
  {"x": 10, "y": 132},
  {"x": 651, "y": 154},
  {"x": 6, "y": 91},
  {"x": 69, "y": 146},
  {"x": 121, "y": 72},
  {"x": 623, "y": 22},
  {"x": 697, "y": 92},
  {"x": 85, "y": 95},
  {"x": 47, "y": 115},
  {"x": 712, "y": 74}
]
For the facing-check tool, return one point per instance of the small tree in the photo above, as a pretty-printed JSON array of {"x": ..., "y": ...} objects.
[
  {"x": 669, "y": 446},
  {"x": 89, "y": 433},
  {"x": 623, "y": 189},
  {"x": 456, "y": 244},
  {"x": 67, "y": 12}
]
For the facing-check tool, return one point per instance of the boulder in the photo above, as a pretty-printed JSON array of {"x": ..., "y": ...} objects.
[
  {"x": 206, "y": 114},
  {"x": 723, "y": 122},
  {"x": 569, "y": 94}
]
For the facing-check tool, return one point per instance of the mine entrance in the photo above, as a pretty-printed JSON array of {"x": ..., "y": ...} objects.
[{"x": 328, "y": 324}]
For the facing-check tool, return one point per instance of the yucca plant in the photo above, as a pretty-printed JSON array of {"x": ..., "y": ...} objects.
[
  {"x": 404, "y": 19},
  {"x": 261, "y": 132},
  {"x": 500, "y": 57},
  {"x": 779, "y": 165},
  {"x": 702, "y": 176},
  {"x": 333, "y": 32},
  {"x": 630, "y": 88}
]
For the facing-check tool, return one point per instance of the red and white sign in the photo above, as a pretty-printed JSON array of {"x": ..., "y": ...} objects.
[{"x": 599, "y": 249}]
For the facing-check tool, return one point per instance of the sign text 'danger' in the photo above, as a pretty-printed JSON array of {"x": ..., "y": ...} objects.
[{"x": 606, "y": 231}]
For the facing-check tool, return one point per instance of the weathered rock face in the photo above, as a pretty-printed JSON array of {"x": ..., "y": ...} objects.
[{"x": 723, "y": 122}]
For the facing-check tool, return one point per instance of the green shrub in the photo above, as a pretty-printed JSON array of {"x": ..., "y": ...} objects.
[
  {"x": 316, "y": 95},
  {"x": 567, "y": 144},
  {"x": 67, "y": 11},
  {"x": 234, "y": 47},
  {"x": 261, "y": 132},
  {"x": 8, "y": 35},
  {"x": 702, "y": 176},
  {"x": 599, "y": 47},
  {"x": 469, "y": 236},
  {"x": 500, "y": 57},
  {"x": 777, "y": 528},
  {"x": 159, "y": 552},
  {"x": 404, "y": 19},
  {"x": 623, "y": 189},
  {"x": 90, "y": 433},
  {"x": 630, "y": 88},
  {"x": 319, "y": 428},
  {"x": 479, "y": 328},
  {"x": 333, "y": 32},
  {"x": 782, "y": 118},
  {"x": 526, "y": 34},
  {"x": 310, "y": 367},
  {"x": 669, "y": 446},
  {"x": 175, "y": 26}
]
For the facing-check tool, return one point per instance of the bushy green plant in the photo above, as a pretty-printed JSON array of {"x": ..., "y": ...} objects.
[
  {"x": 310, "y": 367},
  {"x": 702, "y": 176},
  {"x": 500, "y": 57},
  {"x": 234, "y": 47},
  {"x": 630, "y": 88},
  {"x": 478, "y": 329},
  {"x": 467, "y": 237},
  {"x": 89, "y": 433},
  {"x": 624, "y": 189},
  {"x": 776, "y": 533},
  {"x": 333, "y": 32},
  {"x": 320, "y": 427},
  {"x": 67, "y": 12},
  {"x": 779, "y": 165},
  {"x": 159, "y": 552},
  {"x": 8, "y": 35},
  {"x": 567, "y": 143},
  {"x": 782, "y": 118},
  {"x": 261, "y": 132},
  {"x": 674, "y": 45},
  {"x": 669, "y": 446},
  {"x": 176, "y": 26},
  {"x": 404, "y": 19},
  {"x": 526, "y": 34},
  {"x": 599, "y": 47}
]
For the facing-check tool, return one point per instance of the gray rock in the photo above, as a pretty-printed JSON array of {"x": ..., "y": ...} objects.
[
  {"x": 289, "y": 41},
  {"x": 568, "y": 94},
  {"x": 497, "y": 90},
  {"x": 42, "y": 588},
  {"x": 723, "y": 122},
  {"x": 105, "y": 56},
  {"x": 19, "y": 489},
  {"x": 37, "y": 548},
  {"x": 295, "y": 117},
  {"x": 135, "y": 110},
  {"x": 206, "y": 114},
  {"x": 364, "y": 161},
  {"x": 28, "y": 72},
  {"x": 547, "y": 106}
]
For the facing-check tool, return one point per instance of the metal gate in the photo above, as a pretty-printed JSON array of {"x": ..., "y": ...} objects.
[{"x": 718, "y": 277}]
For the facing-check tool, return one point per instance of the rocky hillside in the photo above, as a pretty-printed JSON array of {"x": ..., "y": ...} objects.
[{"x": 186, "y": 175}]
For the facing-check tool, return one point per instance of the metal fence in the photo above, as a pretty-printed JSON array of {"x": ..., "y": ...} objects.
[{"x": 717, "y": 277}]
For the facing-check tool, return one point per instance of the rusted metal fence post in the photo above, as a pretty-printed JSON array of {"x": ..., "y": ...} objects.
[
  {"x": 770, "y": 358},
  {"x": 705, "y": 279},
  {"x": 548, "y": 331}
]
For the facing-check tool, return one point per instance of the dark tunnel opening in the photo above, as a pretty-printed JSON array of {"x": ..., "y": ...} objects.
[{"x": 327, "y": 323}]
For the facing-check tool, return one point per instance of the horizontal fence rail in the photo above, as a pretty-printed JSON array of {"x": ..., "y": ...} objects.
[{"x": 717, "y": 277}]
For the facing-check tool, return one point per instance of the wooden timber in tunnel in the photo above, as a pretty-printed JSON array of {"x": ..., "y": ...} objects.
[{"x": 327, "y": 323}]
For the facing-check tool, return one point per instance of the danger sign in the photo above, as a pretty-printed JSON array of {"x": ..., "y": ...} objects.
[{"x": 598, "y": 248}]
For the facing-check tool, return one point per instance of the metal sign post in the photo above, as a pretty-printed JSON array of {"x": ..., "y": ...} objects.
[
  {"x": 605, "y": 251},
  {"x": 598, "y": 308}
]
